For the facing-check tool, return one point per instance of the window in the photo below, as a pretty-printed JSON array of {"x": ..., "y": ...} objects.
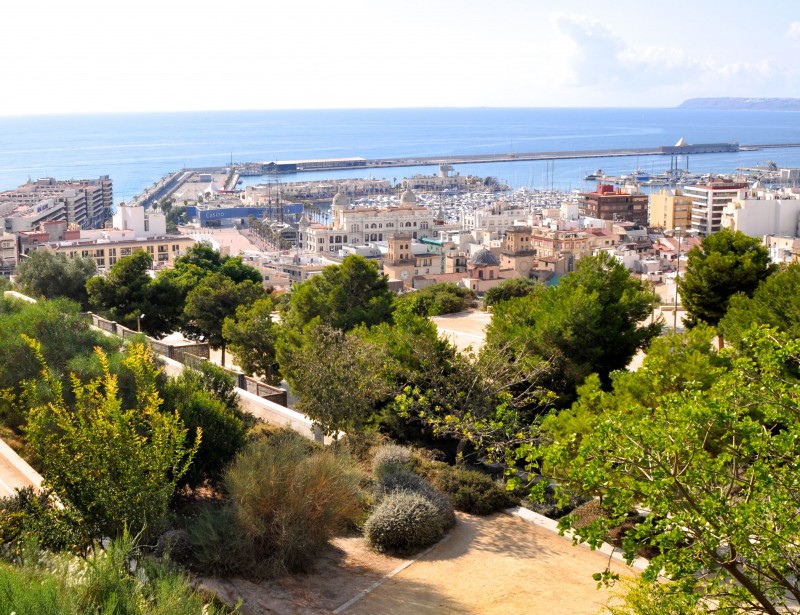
[
  {"x": 84, "y": 253},
  {"x": 112, "y": 261},
  {"x": 150, "y": 250},
  {"x": 146, "y": 225},
  {"x": 112, "y": 251},
  {"x": 162, "y": 249},
  {"x": 176, "y": 247},
  {"x": 124, "y": 251},
  {"x": 101, "y": 262},
  {"x": 100, "y": 252}
]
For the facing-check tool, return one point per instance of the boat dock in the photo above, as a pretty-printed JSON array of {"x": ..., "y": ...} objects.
[{"x": 298, "y": 166}]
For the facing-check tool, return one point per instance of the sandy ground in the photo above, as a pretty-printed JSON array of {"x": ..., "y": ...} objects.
[
  {"x": 464, "y": 329},
  {"x": 499, "y": 564}
]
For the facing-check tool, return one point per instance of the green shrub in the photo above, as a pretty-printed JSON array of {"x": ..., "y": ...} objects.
[
  {"x": 390, "y": 458},
  {"x": 403, "y": 522},
  {"x": 553, "y": 506},
  {"x": 27, "y": 513},
  {"x": 106, "y": 582},
  {"x": 408, "y": 481},
  {"x": 284, "y": 502},
  {"x": 473, "y": 492}
]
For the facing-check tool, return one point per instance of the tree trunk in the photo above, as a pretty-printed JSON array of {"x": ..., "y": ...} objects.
[
  {"x": 462, "y": 444},
  {"x": 223, "y": 355}
]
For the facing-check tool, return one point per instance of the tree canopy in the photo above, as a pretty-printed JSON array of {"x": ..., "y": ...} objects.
[
  {"x": 336, "y": 375},
  {"x": 214, "y": 299},
  {"x": 724, "y": 264},
  {"x": 717, "y": 470},
  {"x": 776, "y": 302},
  {"x": 251, "y": 336},
  {"x": 342, "y": 296},
  {"x": 588, "y": 323},
  {"x": 49, "y": 275},
  {"x": 436, "y": 299},
  {"x": 515, "y": 287}
]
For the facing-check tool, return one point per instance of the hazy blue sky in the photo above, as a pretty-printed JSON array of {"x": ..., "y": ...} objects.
[{"x": 154, "y": 55}]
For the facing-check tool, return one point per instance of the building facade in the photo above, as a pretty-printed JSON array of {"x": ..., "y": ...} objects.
[
  {"x": 709, "y": 201},
  {"x": 670, "y": 209},
  {"x": 83, "y": 203},
  {"x": 362, "y": 225},
  {"x": 609, "y": 203}
]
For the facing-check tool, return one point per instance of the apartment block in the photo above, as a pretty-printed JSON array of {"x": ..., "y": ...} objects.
[
  {"x": 709, "y": 201},
  {"x": 84, "y": 203},
  {"x": 670, "y": 209}
]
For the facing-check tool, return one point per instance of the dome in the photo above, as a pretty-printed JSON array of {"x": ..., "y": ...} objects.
[
  {"x": 484, "y": 257},
  {"x": 408, "y": 198},
  {"x": 340, "y": 200}
]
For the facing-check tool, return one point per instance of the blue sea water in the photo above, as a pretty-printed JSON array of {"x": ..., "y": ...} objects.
[{"x": 136, "y": 150}]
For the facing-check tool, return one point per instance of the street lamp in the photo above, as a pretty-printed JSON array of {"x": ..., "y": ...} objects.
[
  {"x": 139, "y": 323},
  {"x": 678, "y": 233}
]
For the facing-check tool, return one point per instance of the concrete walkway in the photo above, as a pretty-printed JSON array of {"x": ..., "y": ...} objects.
[{"x": 495, "y": 565}]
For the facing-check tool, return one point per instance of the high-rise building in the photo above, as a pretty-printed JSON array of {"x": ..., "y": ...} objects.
[
  {"x": 85, "y": 203},
  {"x": 709, "y": 201}
]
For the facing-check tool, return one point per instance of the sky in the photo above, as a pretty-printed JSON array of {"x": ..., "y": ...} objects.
[{"x": 87, "y": 56}]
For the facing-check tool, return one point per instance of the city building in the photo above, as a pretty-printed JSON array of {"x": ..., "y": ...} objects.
[
  {"x": 85, "y": 203},
  {"x": 406, "y": 259},
  {"x": 609, "y": 203},
  {"x": 709, "y": 201},
  {"x": 497, "y": 217},
  {"x": 361, "y": 225},
  {"x": 135, "y": 228},
  {"x": 783, "y": 248},
  {"x": 9, "y": 254},
  {"x": 763, "y": 212},
  {"x": 670, "y": 209}
]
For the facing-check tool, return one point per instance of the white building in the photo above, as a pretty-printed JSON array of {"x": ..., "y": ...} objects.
[
  {"x": 709, "y": 201},
  {"x": 764, "y": 212},
  {"x": 362, "y": 225}
]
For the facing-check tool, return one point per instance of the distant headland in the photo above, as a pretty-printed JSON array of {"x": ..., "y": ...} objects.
[{"x": 750, "y": 104}]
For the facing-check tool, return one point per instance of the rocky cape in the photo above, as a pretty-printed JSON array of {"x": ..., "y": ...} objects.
[{"x": 749, "y": 104}]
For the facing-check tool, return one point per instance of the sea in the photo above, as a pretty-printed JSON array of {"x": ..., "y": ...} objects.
[{"x": 137, "y": 150}]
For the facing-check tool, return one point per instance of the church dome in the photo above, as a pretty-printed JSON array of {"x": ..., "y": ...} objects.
[
  {"x": 484, "y": 257},
  {"x": 340, "y": 200},
  {"x": 408, "y": 198}
]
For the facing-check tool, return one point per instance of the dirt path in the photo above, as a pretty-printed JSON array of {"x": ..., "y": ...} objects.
[
  {"x": 499, "y": 564},
  {"x": 496, "y": 565}
]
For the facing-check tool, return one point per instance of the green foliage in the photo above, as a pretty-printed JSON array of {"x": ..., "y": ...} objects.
[
  {"x": 334, "y": 375},
  {"x": 251, "y": 336},
  {"x": 125, "y": 485},
  {"x": 62, "y": 333},
  {"x": 391, "y": 458},
  {"x": 207, "y": 403},
  {"x": 724, "y": 264},
  {"x": 776, "y": 302},
  {"x": 56, "y": 528},
  {"x": 510, "y": 289},
  {"x": 674, "y": 363},
  {"x": 283, "y": 505},
  {"x": 404, "y": 522},
  {"x": 49, "y": 275},
  {"x": 201, "y": 260},
  {"x": 472, "y": 491},
  {"x": 642, "y": 598},
  {"x": 485, "y": 401},
  {"x": 342, "y": 296},
  {"x": 223, "y": 435},
  {"x": 441, "y": 298},
  {"x": 589, "y": 323},
  {"x": 214, "y": 299},
  {"x": 718, "y": 471},
  {"x": 404, "y": 480},
  {"x": 103, "y": 583}
]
